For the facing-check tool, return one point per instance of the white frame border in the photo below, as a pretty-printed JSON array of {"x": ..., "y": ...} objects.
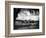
[{"x": 27, "y": 31}]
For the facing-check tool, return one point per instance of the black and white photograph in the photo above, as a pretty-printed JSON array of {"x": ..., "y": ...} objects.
[{"x": 25, "y": 18}]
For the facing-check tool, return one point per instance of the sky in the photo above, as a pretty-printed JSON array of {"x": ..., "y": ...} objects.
[{"x": 26, "y": 15}]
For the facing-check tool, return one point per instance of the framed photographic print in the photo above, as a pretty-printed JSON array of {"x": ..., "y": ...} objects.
[{"x": 24, "y": 19}]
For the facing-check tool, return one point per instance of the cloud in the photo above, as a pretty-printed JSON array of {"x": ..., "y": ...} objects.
[{"x": 26, "y": 15}]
